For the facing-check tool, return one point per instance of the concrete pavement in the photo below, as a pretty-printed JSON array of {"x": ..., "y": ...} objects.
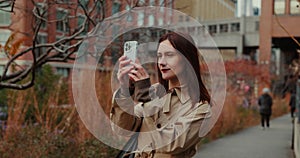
[{"x": 253, "y": 142}]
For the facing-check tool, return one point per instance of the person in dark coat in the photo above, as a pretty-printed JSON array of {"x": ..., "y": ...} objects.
[
  {"x": 292, "y": 104},
  {"x": 265, "y": 103}
]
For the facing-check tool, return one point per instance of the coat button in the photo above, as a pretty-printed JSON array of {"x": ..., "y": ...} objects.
[{"x": 158, "y": 125}]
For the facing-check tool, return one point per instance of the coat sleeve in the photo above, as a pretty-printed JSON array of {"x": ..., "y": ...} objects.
[
  {"x": 123, "y": 113},
  {"x": 259, "y": 101}
]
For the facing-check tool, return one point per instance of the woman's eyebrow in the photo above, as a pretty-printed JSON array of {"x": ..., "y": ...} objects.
[{"x": 166, "y": 52}]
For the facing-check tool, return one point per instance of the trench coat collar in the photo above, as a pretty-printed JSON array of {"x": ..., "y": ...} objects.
[{"x": 182, "y": 94}]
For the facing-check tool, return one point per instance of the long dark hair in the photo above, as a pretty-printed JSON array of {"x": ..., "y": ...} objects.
[{"x": 184, "y": 44}]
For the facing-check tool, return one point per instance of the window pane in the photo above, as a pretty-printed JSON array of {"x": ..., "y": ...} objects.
[
  {"x": 1, "y": 69},
  {"x": 64, "y": 72},
  {"x": 142, "y": 2},
  {"x": 295, "y": 9},
  {"x": 42, "y": 39},
  {"x": 4, "y": 35},
  {"x": 115, "y": 8},
  {"x": 151, "y": 20},
  {"x": 160, "y": 21},
  {"x": 5, "y": 17},
  {"x": 162, "y": 3},
  {"x": 141, "y": 19},
  {"x": 212, "y": 29},
  {"x": 80, "y": 21},
  {"x": 279, "y": 6},
  {"x": 152, "y": 2},
  {"x": 223, "y": 28},
  {"x": 62, "y": 21},
  {"x": 85, "y": 3},
  {"x": 235, "y": 27}
]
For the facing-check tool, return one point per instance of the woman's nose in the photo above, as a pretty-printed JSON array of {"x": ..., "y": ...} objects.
[{"x": 162, "y": 61}]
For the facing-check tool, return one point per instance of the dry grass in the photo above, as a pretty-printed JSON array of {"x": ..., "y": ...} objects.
[{"x": 59, "y": 132}]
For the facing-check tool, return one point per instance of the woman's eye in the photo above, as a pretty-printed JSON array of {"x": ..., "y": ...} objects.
[{"x": 169, "y": 54}]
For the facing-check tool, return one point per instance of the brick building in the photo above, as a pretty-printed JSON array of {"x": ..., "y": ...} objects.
[
  {"x": 64, "y": 17},
  {"x": 279, "y": 21}
]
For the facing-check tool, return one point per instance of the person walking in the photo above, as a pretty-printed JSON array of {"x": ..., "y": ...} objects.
[
  {"x": 265, "y": 103},
  {"x": 292, "y": 104}
]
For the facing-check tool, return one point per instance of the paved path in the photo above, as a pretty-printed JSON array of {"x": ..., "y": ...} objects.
[{"x": 254, "y": 142}]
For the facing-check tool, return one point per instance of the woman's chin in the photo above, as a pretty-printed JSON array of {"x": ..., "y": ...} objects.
[{"x": 166, "y": 77}]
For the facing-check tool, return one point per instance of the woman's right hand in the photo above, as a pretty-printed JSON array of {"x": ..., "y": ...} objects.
[{"x": 124, "y": 68}]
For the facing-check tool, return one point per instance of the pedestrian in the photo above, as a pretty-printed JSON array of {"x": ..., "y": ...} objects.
[
  {"x": 292, "y": 104},
  {"x": 168, "y": 114},
  {"x": 265, "y": 103}
]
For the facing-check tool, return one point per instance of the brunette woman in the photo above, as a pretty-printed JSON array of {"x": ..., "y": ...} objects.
[{"x": 168, "y": 114}]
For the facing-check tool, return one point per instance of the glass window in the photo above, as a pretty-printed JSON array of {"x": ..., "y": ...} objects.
[
  {"x": 116, "y": 7},
  {"x": 62, "y": 23},
  {"x": 127, "y": 7},
  {"x": 99, "y": 7},
  {"x": 223, "y": 28},
  {"x": 64, "y": 72},
  {"x": 5, "y": 17},
  {"x": 142, "y": 2},
  {"x": 1, "y": 69},
  {"x": 160, "y": 21},
  {"x": 80, "y": 22},
  {"x": 152, "y": 2},
  {"x": 129, "y": 18},
  {"x": 294, "y": 6},
  {"x": 151, "y": 20},
  {"x": 235, "y": 27},
  {"x": 279, "y": 6},
  {"x": 187, "y": 18},
  {"x": 212, "y": 29},
  {"x": 4, "y": 35},
  {"x": 140, "y": 19},
  {"x": 162, "y": 3},
  {"x": 84, "y": 3},
  {"x": 42, "y": 39}
]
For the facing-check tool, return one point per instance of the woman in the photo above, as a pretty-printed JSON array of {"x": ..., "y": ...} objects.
[
  {"x": 170, "y": 114},
  {"x": 265, "y": 103}
]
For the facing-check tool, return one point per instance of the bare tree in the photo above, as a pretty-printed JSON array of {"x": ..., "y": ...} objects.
[
  {"x": 7, "y": 4},
  {"x": 60, "y": 50},
  {"x": 85, "y": 13}
]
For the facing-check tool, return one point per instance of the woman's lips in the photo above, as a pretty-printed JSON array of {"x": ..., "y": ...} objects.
[{"x": 164, "y": 70}]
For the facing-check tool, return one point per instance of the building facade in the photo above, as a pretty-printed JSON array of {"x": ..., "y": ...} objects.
[
  {"x": 206, "y": 10},
  {"x": 64, "y": 17},
  {"x": 279, "y": 24}
]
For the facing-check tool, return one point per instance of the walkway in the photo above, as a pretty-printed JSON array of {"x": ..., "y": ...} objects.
[{"x": 254, "y": 142}]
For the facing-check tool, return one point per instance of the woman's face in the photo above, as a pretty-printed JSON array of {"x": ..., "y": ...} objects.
[{"x": 170, "y": 62}]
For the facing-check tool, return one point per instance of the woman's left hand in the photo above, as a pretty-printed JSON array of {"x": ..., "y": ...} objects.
[{"x": 138, "y": 73}]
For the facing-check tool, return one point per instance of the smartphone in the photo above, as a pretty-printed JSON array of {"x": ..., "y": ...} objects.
[{"x": 130, "y": 50}]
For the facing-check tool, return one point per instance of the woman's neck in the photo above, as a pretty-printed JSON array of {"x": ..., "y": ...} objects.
[{"x": 174, "y": 83}]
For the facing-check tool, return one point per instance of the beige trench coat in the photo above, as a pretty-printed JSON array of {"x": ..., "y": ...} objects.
[{"x": 170, "y": 124}]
